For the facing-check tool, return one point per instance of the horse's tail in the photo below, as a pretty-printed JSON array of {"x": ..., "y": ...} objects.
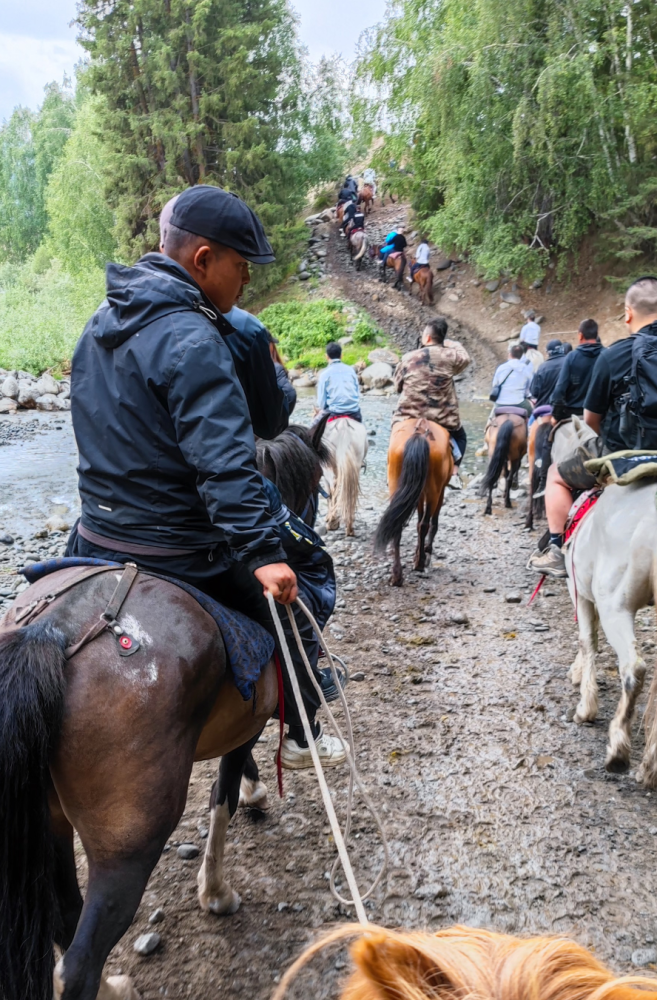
[
  {"x": 540, "y": 470},
  {"x": 414, "y": 471},
  {"x": 31, "y": 707},
  {"x": 347, "y": 479},
  {"x": 499, "y": 457},
  {"x": 363, "y": 248}
]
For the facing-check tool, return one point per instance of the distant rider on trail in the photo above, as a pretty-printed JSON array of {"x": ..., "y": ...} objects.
[
  {"x": 338, "y": 391},
  {"x": 167, "y": 470},
  {"x": 422, "y": 257},
  {"x": 395, "y": 243},
  {"x": 425, "y": 381}
]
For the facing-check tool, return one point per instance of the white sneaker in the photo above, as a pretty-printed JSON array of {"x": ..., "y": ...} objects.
[
  {"x": 332, "y": 752},
  {"x": 455, "y": 482}
]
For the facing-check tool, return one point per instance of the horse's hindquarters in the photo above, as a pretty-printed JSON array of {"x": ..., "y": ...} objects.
[{"x": 232, "y": 721}]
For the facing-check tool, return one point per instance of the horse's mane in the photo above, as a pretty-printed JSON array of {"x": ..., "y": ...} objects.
[
  {"x": 293, "y": 462},
  {"x": 466, "y": 963}
]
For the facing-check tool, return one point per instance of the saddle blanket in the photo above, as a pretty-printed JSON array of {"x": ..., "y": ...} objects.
[
  {"x": 624, "y": 467},
  {"x": 249, "y": 647},
  {"x": 514, "y": 411}
]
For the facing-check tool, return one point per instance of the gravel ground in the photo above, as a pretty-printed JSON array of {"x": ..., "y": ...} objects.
[{"x": 497, "y": 807}]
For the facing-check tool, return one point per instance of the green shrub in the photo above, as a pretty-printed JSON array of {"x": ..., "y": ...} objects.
[
  {"x": 305, "y": 328},
  {"x": 43, "y": 311}
]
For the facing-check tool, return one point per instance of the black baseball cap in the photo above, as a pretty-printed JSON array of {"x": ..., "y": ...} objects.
[
  {"x": 553, "y": 345},
  {"x": 221, "y": 216}
]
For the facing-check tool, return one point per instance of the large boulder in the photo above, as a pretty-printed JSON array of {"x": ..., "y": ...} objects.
[
  {"x": 47, "y": 401},
  {"x": 8, "y": 405},
  {"x": 27, "y": 396},
  {"x": 46, "y": 384},
  {"x": 383, "y": 354},
  {"x": 9, "y": 388},
  {"x": 377, "y": 376}
]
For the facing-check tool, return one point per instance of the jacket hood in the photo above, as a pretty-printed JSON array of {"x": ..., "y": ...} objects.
[
  {"x": 136, "y": 296},
  {"x": 591, "y": 348}
]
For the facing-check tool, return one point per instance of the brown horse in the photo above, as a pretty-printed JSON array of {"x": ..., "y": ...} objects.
[
  {"x": 366, "y": 197},
  {"x": 357, "y": 246},
  {"x": 506, "y": 437},
  {"x": 423, "y": 278},
  {"x": 538, "y": 432},
  {"x": 419, "y": 467},
  {"x": 397, "y": 263},
  {"x": 469, "y": 962}
]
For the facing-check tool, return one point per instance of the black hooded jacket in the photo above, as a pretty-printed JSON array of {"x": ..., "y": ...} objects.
[
  {"x": 167, "y": 455},
  {"x": 570, "y": 391},
  {"x": 546, "y": 378}
]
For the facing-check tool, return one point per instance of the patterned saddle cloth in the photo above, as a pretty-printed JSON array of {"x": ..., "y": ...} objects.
[{"x": 248, "y": 646}]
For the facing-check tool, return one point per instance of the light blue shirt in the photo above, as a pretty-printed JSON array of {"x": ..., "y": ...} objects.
[
  {"x": 516, "y": 387},
  {"x": 337, "y": 388},
  {"x": 531, "y": 333}
]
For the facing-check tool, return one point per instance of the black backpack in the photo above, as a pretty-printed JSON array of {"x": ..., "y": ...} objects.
[{"x": 638, "y": 405}]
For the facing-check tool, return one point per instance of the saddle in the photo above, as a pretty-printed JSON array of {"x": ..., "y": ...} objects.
[
  {"x": 248, "y": 646},
  {"x": 395, "y": 255},
  {"x": 513, "y": 411}
]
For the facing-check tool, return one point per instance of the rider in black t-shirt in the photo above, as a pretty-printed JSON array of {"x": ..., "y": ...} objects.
[{"x": 614, "y": 365}]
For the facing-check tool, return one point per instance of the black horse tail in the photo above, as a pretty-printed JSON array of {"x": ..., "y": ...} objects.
[
  {"x": 540, "y": 470},
  {"x": 31, "y": 707},
  {"x": 414, "y": 471},
  {"x": 499, "y": 457}
]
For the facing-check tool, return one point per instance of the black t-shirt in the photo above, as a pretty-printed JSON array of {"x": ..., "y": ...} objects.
[
  {"x": 606, "y": 385},
  {"x": 398, "y": 243}
]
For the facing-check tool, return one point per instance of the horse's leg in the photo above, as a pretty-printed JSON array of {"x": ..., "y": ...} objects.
[
  {"x": 619, "y": 629},
  {"x": 214, "y": 893},
  {"x": 332, "y": 518},
  {"x": 489, "y": 502},
  {"x": 432, "y": 534},
  {"x": 253, "y": 791},
  {"x": 584, "y": 666},
  {"x": 508, "y": 481},
  {"x": 397, "y": 578},
  {"x": 423, "y": 523}
]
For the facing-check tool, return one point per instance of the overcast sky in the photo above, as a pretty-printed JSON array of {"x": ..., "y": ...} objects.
[{"x": 37, "y": 44}]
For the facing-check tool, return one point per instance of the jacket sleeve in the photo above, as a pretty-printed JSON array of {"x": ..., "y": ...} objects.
[
  {"x": 287, "y": 388},
  {"x": 461, "y": 358},
  {"x": 399, "y": 377},
  {"x": 561, "y": 388},
  {"x": 267, "y": 402},
  {"x": 536, "y": 385},
  {"x": 321, "y": 389},
  {"x": 213, "y": 431}
]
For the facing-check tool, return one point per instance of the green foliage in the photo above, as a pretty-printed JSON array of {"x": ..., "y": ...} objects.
[
  {"x": 326, "y": 121},
  {"x": 30, "y": 146},
  {"x": 43, "y": 312},
  {"x": 80, "y": 232},
  {"x": 305, "y": 328},
  {"x": 517, "y": 126}
]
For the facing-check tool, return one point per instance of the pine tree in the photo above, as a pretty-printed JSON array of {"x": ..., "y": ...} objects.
[{"x": 194, "y": 91}]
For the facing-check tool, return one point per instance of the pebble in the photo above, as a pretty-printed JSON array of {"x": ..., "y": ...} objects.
[
  {"x": 358, "y": 676},
  {"x": 513, "y": 598},
  {"x": 460, "y": 618},
  {"x": 157, "y": 916},
  {"x": 6, "y": 540},
  {"x": 644, "y": 956},
  {"x": 188, "y": 851},
  {"x": 512, "y": 298},
  {"x": 492, "y": 286},
  {"x": 146, "y": 944},
  {"x": 489, "y": 590}
]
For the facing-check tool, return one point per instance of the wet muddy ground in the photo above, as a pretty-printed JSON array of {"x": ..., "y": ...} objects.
[{"x": 496, "y": 806}]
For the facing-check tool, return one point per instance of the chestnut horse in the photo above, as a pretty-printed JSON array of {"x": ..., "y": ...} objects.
[
  {"x": 469, "y": 962},
  {"x": 506, "y": 437},
  {"x": 397, "y": 262},
  {"x": 357, "y": 246},
  {"x": 423, "y": 278},
  {"x": 538, "y": 432},
  {"x": 366, "y": 197},
  {"x": 419, "y": 467}
]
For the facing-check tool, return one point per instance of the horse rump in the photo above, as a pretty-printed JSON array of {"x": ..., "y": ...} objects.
[
  {"x": 540, "y": 470},
  {"x": 498, "y": 459},
  {"x": 414, "y": 471},
  {"x": 32, "y": 688}
]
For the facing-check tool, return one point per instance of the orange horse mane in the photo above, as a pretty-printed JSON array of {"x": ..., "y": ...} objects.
[{"x": 466, "y": 963}]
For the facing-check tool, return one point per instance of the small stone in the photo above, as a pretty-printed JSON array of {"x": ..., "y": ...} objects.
[
  {"x": 46, "y": 401},
  {"x": 146, "y": 944},
  {"x": 377, "y": 376},
  {"x": 644, "y": 956},
  {"x": 492, "y": 286},
  {"x": 283, "y": 906},
  {"x": 537, "y": 284},
  {"x": 304, "y": 275},
  {"x": 41, "y": 533},
  {"x": 8, "y": 405},
  {"x": 6, "y": 540},
  {"x": 513, "y": 598},
  {"x": 453, "y": 297},
  {"x": 203, "y": 832},
  {"x": 345, "y": 341},
  {"x": 9, "y": 387},
  {"x": 358, "y": 676},
  {"x": 384, "y": 355},
  {"x": 460, "y": 618},
  {"x": 157, "y": 916},
  {"x": 188, "y": 851},
  {"x": 489, "y": 590},
  {"x": 46, "y": 384},
  {"x": 57, "y": 523},
  {"x": 303, "y": 266},
  {"x": 512, "y": 298}
]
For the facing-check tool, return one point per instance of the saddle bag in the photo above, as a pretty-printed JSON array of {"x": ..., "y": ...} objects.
[{"x": 638, "y": 405}]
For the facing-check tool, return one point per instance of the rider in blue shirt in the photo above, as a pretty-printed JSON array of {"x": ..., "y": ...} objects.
[{"x": 337, "y": 388}]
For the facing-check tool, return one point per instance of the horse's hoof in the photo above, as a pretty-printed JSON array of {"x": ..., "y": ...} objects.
[
  {"x": 121, "y": 987},
  {"x": 223, "y": 904},
  {"x": 396, "y": 582},
  {"x": 582, "y": 718},
  {"x": 253, "y": 795},
  {"x": 617, "y": 765}
]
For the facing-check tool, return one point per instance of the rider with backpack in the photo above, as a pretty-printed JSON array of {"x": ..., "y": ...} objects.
[{"x": 621, "y": 403}]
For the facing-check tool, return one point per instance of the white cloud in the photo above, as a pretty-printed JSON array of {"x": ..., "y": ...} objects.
[{"x": 27, "y": 64}]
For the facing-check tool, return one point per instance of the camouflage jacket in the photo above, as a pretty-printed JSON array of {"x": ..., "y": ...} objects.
[{"x": 425, "y": 381}]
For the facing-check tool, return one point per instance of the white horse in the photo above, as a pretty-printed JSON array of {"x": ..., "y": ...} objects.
[
  {"x": 347, "y": 440},
  {"x": 611, "y": 565}
]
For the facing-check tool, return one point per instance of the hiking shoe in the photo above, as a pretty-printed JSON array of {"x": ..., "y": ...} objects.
[
  {"x": 551, "y": 562},
  {"x": 329, "y": 690},
  {"x": 455, "y": 482},
  {"x": 332, "y": 752}
]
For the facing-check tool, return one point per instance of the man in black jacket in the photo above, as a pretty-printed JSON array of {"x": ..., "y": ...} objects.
[
  {"x": 167, "y": 471},
  {"x": 547, "y": 374},
  {"x": 572, "y": 386}
]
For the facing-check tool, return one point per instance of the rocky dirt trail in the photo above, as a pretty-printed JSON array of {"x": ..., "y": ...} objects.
[{"x": 496, "y": 806}]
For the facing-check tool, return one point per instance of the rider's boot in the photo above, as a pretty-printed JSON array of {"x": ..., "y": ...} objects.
[
  {"x": 295, "y": 756},
  {"x": 551, "y": 562}
]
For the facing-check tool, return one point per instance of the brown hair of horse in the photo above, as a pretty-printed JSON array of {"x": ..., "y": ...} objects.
[{"x": 462, "y": 962}]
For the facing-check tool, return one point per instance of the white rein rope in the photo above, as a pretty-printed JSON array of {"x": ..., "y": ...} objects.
[{"x": 343, "y": 856}]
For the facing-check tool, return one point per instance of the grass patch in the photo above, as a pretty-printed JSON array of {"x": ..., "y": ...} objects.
[
  {"x": 305, "y": 328},
  {"x": 43, "y": 313}
]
